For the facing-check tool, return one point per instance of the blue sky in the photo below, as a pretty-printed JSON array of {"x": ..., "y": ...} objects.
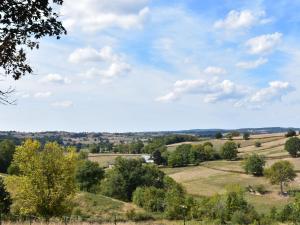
[{"x": 145, "y": 65}]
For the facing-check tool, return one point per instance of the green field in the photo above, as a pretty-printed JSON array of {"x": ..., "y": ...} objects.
[{"x": 212, "y": 177}]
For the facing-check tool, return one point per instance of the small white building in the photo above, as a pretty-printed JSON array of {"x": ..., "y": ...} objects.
[{"x": 148, "y": 158}]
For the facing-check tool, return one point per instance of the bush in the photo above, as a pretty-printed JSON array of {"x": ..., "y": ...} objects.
[
  {"x": 257, "y": 144},
  {"x": 261, "y": 189},
  {"x": 149, "y": 198},
  {"x": 138, "y": 216},
  {"x": 254, "y": 164},
  {"x": 293, "y": 146},
  {"x": 229, "y": 150}
]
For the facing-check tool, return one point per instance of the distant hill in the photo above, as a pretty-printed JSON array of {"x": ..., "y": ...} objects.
[{"x": 79, "y": 138}]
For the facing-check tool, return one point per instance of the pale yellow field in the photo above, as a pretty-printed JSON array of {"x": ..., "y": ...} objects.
[{"x": 107, "y": 159}]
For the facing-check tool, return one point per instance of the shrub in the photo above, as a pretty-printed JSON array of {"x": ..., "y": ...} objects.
[
  {"x": 5, "y": 200},
  {"x": 257, "y": 144},
  {"x": 261, "y": 189},
  {"x": 293, "y": 146},
  {"x": 229, "y": 150},
  {"x": 149, "y": 198},
  {"x": 254, "y": 164}
]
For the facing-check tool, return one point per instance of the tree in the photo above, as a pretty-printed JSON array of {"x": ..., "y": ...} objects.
[
  {"x": 7, "y": 149},
  {"x": 88, "y": 175},
  {"x": 254, "y": 164},
  {"x": 281, "y": 173},
  {"x": 157, "y": 158},
  {"x": 5, "y": 200},
  {"x": 23, "y": 23},
  {"x": 293, "y": 146},
  {"x": 218, "y": 135},
  {"x": 229, "y": 150},
  {"x": 128, "y": 174},
  {"x": 246, "y": 136},
  {"x": 46, "y": 181},
  {"x": 149, "y": 198},
  {"x": 181, "y": 156},
  {"x": 291, "y": 133}
]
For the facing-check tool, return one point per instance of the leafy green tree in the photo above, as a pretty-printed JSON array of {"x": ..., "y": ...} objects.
[
  {"x": 5, "y": 200},
  {"x": 23, "y": 23},
  {"x": 7, "y": 150},
  {"x": 46, "y": 183},
  {"x": 229, "y": 150},
  {"x": 88, "y": 175},
  {"x": 181, "y": 156},
  {"x": 127, "y": 174},
  {"x": 150, "y": 198},
  {"x": 292, "y": 145},
  {"x": 246, "y": 136},
  {"x": 254, "y": 164},
  {"x": 281, "y": 173},
  {"x": 218, "y": 135},
  {"x": 157, "y": 158}
]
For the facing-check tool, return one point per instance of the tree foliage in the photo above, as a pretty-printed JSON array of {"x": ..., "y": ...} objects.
[
  {"x": 45, "y": 184},
  {"x": 281, "y": 173},
  {"x": 23, "y": 23},
  {"x": 246, "y": 136},
  {"x": 88, "y": 175},
  {"x": 291, "y": 133},
  {"x": 254, "y": 164},
  {"x": 128, "y": 174},
  {"x": 7, "y": 149},
  {"x": 293, "y": 146},
  {"x": 229, "y": 150},
  {"x": 5, "y": 200}
]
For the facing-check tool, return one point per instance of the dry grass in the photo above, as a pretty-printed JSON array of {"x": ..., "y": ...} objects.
[{"x": 107, "y": 159}]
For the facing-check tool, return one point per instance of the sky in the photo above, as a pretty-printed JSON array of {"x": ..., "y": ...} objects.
[{"x": 149, "y": 65}]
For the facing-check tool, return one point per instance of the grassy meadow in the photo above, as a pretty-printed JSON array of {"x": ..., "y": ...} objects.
[{"x": 212, "y": 177}]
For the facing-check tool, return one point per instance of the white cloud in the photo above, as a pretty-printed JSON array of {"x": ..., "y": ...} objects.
[
  {"x": 63, "y": 104},
  {"x": 212, "y": 90},
  {"x": 264, "y": 43},
  {"x": 93, "y": 15},
  {"x": 215, "y": 70},
  {"x": 55, "y": 78},
  {"x": 241, "y": 19},
  {"x": 275, "y": 91},
  {"x": 43, "y": 94},
  {"x": 114, "y": 70},
  {"x": 92, "y": 55},
  {"x": 116, "y": 62},
  {"x": 252, "y": 64}
]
